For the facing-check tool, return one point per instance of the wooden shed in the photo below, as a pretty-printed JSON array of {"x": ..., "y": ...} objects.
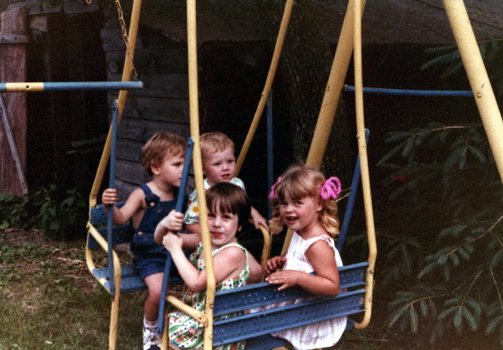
[{"x": 59, "y": 135}]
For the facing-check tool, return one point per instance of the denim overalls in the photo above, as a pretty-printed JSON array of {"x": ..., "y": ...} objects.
[{"x": 149, "y": 256}]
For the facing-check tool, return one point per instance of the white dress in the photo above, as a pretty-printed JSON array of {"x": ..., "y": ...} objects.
[{"x": 318, "y": 335}]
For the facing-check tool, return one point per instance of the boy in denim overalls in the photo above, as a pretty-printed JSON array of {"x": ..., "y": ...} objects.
[{"x": 163, "y": 157}]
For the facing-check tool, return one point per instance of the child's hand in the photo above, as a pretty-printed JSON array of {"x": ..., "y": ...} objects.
[
  {"x": 173, "y": 221},
  {"x": 172, "y": 242},
  {"x": 258, "y": 220},
  {"x": 287, "y": 278},
  {"x": 109, "y": 196},
  {"x": 274, "y": 263}
]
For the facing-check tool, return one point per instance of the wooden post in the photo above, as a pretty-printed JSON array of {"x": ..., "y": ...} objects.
[{"x": 13, "y": 68}]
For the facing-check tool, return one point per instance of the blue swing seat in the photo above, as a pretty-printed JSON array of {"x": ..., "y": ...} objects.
[{"x": 255, "y": 327}]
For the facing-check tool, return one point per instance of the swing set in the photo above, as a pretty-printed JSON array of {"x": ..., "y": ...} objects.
[{"x": 356, "y": 280}]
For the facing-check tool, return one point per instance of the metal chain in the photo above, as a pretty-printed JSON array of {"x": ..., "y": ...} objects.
[{"x": 124, "y": 35}]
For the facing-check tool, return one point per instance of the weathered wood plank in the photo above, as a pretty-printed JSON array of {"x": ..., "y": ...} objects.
[
  {"x": 113, "y": 40},
  {"x": 159, "y": 85},
  {"x": 158, "y": 60},
  {"x": 138, "y": 130},
  {"x": 152, "y": 108},
  {"x": 131, "y": 173},
  {"x": 8, "y": 38},
  {"x": 13, "y": 68}
]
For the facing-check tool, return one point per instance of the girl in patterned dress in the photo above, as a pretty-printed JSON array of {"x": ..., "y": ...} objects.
[
  {"x": 228, "y": 211},
  {"x": 306, "y": 203}
]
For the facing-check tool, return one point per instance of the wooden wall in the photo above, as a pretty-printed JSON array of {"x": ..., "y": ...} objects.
[
  {"x": 162, "y": 104},
  {"x": 13, "y": 43}
]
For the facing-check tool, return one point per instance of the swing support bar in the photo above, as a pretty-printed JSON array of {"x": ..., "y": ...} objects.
[
  {"x": 477, "y": 75},
  {"x": 65, "y": 86}
]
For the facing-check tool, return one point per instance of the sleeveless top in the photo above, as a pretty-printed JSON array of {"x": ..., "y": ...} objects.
[
  {"x": 186, "y": 332},
  {"x": 317, "y": 335}
]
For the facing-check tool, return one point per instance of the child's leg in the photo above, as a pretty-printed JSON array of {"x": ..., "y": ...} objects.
[
  {"x": 151, "y": 340},
  {"x": 154, "y": 285}
]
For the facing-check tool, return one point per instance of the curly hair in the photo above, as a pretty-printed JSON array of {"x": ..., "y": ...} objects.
[
  {"x": 156, "y": 148},
  {"x": 299, "y": 182}
]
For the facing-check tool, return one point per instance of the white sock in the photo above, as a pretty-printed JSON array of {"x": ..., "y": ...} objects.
[{"x": 148, "y": 324}]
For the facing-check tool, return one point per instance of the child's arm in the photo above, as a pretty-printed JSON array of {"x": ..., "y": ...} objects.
[
  {"x": 324, "y": 283},
  {"x": 255, "y": 269},
  {"x": 133, "y": 204},
  {"x": 227, "y": 263},
  {"x": 257, "y": 219}
]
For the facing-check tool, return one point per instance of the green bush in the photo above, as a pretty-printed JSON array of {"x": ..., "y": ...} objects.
[
  {"x": 12, "y": 211},
  {"x": 59, "y": 218},
  {"x": 445, "y": 270}
]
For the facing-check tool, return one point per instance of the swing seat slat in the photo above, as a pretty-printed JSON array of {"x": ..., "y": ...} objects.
[
  {"x": 255, "y": 327},
  {"x": 130, "y": 278}
]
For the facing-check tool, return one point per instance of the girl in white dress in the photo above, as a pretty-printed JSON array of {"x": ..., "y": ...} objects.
[{"x": 306, "y": 203}]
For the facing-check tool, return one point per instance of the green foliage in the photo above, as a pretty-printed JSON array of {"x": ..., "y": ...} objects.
[
  {"x": 59, "y": 218},
  {"x": 449, "y": 58},
  {"x": 12, "y": 212},
  {"x": 446, "y": 271}
]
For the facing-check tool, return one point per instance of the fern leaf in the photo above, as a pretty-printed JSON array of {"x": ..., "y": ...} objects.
[
  {"x": 454, "y": 259},
  {"x": 426, "y": 270},
  {"x": 414, "y": 321},
  {"x": 472, "y": 322},
  {"x": 397, "y": 315},
  {"x": 477, "y": 154},
  {"x": 458, "y": 318},
  {"x": 491, "y": 327},
  {"x": 448, "y": 311},
  {"x": 424, "y": 307}
]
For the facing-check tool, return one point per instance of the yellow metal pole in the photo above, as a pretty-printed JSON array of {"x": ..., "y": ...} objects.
[
  {"x": 362, "y": 149},
  {"x": 268, "y": 84},
  {"x": 477, "y": 75},
  {"x": 126, "y": 75},
  {"x": 333, "y": 89},
  {"x": 331, "y": 98},
  {"x": 198, "y": 170}
]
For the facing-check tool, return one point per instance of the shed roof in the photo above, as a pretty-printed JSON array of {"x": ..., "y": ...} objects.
[{"x": 384, "y": 21}]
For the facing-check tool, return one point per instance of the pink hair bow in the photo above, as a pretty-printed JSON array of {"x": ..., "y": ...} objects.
[
  {"x": 331, "y": 188},
  {"x": 273, "y": 187}
]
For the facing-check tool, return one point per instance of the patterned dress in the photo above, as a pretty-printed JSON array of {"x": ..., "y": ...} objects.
[
  {"x": 318, "y": 335},
  {"x": 186, "y": 332}
]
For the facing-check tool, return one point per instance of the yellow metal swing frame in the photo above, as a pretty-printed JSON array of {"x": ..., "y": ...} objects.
[{"x": 349, "y": 43}]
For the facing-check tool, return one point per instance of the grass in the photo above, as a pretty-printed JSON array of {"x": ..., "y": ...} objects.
[{"x": 50, "y": 301}]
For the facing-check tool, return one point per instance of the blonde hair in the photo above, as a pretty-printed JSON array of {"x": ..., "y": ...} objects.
[
  {"x": 299, "y": 182},
  {"x": 216, "y": 141},
  {"x": 156, "y": 148}
]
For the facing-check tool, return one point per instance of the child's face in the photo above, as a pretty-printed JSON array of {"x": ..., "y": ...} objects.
[
  {"x": 300, "y": 215},
  {"x": 219, "y": 166},
  {"x": 170, "y": 170},
  {"x": 223, "y": 227}
]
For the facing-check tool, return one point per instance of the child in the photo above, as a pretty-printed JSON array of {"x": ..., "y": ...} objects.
[
  {"x": 228, "y": 211},
  {"x": 219, "y": 165},
  {"x": 163, "y": 157},
  {"x": 306, "y": 203}
]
